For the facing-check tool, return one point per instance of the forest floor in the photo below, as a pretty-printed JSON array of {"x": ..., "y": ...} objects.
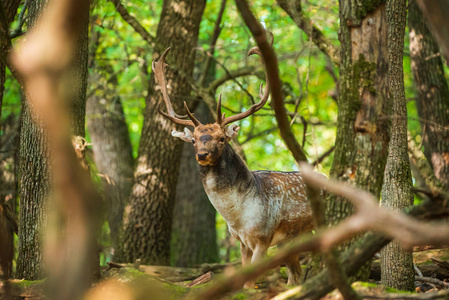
[{"x": 159, "y": 282}]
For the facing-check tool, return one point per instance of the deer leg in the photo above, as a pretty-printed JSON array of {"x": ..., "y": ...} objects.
[
  {"x": 293, "y": 270},
  {"x": 258, "y": 253},
  {"x": 246, "y": 254}
]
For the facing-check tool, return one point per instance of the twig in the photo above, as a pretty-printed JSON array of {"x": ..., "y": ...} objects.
[
  {"x": 229, "y": 74},
  {"x": 417, "y": 270},
  {"x": 232, "y": 75},
  {"x": 440, "y": 263},
  {"x": 133, "y": 22},
  {"x": 112, "y": 265},
  {"x": 201, "y": 280},
  {"x": 432, "y": 280},
  {"x": 306, "y": 24},
  {"x": 21, "y": 19},
  {"x": 337, "y": 274},
  {"x": 215, "y": 35},
  {"x": 323, "y": 156}
]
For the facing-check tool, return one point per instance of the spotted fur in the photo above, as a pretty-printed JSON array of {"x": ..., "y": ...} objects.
[{"x": 262, "y": 208}]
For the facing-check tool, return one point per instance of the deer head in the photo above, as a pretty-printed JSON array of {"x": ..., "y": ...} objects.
[{"x": 209, "y": 140}]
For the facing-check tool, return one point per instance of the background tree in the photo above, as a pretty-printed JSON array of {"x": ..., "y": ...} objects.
[
  {"x": 433, "y": 93},
  {"x": 148, "y": 225},
  {"x": 396, "y": 263},
  {"x": 35, "y": 160},
  {"x": 195, "y": 243},
  {"x": 362, "y": 138},
  {"x": 111, "y": 145}
]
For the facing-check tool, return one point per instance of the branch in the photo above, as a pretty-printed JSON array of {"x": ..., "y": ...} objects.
[
  {"x": 323, "y": 156},
  {"x": 277, "y": 99},
  {"x": 306, "y": 25},
  {"x": 215, "y": 35},
  {"x": 232, "y": 75},
  {"x": 21, "y": 21},
  {"x": 337, "y": 274},
  {"x": 133, "y": 22}
]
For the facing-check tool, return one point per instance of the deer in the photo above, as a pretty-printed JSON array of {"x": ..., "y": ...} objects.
[{"x": 261, "y": 208}]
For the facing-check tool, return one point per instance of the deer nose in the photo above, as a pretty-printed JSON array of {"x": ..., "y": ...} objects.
[{"x": 202, "y": 156}]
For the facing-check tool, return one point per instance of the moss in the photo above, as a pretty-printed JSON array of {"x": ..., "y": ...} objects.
[
  {"x": 392, "y": 290},
  {"x": 23, "y": 284},
  {"x": 365, "y": 284},
  {"x": 240, "y": 296},
  {"x": 368, "y": 6},
  {"x": 364, "y": 74}
]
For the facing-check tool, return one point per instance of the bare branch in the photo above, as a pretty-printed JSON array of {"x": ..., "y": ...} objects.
[
  {"x": 306, "y": 24},
  {"x": 272, "y": 70},
  {"x": 133, "y": 22},
  {"x": 215, "y": 35}
]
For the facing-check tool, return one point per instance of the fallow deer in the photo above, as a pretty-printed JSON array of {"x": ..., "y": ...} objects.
[{"x": 261, "y": 208}]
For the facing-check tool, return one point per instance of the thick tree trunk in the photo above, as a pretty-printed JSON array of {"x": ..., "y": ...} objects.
[
  {"x": 433, "y": 93},
  {"x": 35, "y": 159},
  {"x": 361, "y": 144},
  {"x": 397, "y": 264},
  {"x": 194, "y": 239},
  {"x": 148, "y": 224},
  {"x": 112, "y": 155}
]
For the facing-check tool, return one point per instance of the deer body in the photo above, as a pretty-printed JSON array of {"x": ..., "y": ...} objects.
[{"x": 261, "y": 208}]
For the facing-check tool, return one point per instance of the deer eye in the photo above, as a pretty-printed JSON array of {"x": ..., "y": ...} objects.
[
  {"x": 193, "y": 141},
  {"x": 222, "y": 139}
]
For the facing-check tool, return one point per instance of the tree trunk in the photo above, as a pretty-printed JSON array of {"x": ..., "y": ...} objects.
[
  {"x": 433, "y": 93},
  {"x": 112, "y": 155},
  {"x": 35, "y": 159},
  {"x": 361, "y": 144},
  {"x": 148, "y": 224},
  {"x": 194, "y": 239},
  {"x": 397, "y": 264}
]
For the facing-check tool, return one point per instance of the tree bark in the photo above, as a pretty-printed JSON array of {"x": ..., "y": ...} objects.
[
  {"x": 396, "y": 263},
  {"x": 194, "y": 239},
  {"x": 112, "y": 155},
  {"x": 433, "y": 93},
  {"x": 148, "y": 223},
  {"x": 361, "y": 144},
  {"x": 35, "y": 159}
]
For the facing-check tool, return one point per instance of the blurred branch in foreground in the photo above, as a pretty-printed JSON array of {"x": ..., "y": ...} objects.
[{"x": 71, "y": 248}]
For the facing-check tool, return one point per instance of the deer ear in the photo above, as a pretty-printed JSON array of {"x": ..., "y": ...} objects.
[
  {"x": 232, "y": 131},
  {"x": 185, "y": 136}
]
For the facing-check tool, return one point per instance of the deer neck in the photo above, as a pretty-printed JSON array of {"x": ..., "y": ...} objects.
[{"x": 228, "y": 184}]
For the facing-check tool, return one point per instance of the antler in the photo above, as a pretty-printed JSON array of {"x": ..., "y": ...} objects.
[
  {"x": 159, "y": 72},
  {"x": 221, "y": 120}
]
